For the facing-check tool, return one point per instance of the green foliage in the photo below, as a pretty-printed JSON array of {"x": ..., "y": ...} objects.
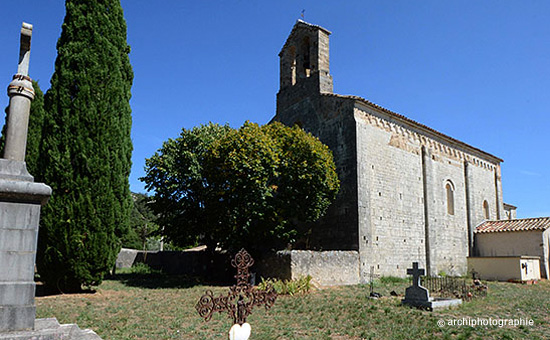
[
  {"x": 394, "y": 279},
  {"x": 175, "y": 173},
  {"x": 34, "y": 135},
  {"x": 85, "y": 153},
  {"x": 142, "y": 269},
  {"x": 252, "y": 187},
  {"x": 301, "y": 285},
  {"x": 142, "y": 225}
]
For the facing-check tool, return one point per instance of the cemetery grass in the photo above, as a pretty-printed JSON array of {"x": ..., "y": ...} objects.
[{"x": 155, "y": 306}]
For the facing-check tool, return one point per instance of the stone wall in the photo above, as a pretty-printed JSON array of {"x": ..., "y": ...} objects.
[
  {"x": 402, "y": 174},
  {"x": 390, "y": 207},
  {"x": 327, "y": 268},
  {"x": 189, "y": 263}
]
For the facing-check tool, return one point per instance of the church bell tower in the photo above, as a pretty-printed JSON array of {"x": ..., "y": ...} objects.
[{"x": 304, "y": 64}]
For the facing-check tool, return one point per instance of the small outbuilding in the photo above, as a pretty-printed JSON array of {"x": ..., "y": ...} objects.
[{"x": 517, "y": 237}]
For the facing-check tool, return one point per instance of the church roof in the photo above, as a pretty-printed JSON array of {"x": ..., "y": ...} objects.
[
  {"x": 415, "y": 123},
  {"x": 523, "y": 224},
  {"x": 509, "y": 206},
  {"x": 302, "y": 24}
]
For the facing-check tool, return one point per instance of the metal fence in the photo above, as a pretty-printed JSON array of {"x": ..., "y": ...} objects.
[{"x": 453, "y": 287}]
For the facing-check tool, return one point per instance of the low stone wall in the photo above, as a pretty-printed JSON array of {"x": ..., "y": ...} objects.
[
  {"x": 194, "y": 263},
  {"x": 327, "y": 268},
  {"x": 126, "y": 258}
]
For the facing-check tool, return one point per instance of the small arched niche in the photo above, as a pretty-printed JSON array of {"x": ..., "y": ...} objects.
[
  {"x": 450, "y": 193},
  {"x": 486, "y": 212}
]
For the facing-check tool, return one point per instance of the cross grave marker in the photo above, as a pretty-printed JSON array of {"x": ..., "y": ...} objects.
[
  {"x": 240, "y": 300},
  {"x": 418, "y": 296},
  {"x": 416, "y": 273}
]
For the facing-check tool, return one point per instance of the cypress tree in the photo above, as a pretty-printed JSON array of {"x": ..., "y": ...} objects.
[{"x": 85, "y": 154}]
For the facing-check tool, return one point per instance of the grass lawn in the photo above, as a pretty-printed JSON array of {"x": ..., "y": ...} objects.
[{"x": 154, "y": 306}]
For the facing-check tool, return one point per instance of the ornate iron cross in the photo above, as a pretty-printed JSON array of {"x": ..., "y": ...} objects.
[{"x": 241, "y": 298}]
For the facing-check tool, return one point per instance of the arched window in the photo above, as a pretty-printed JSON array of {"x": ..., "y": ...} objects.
[
  {"x": 449, "y": 188},
  {"x": 486, "y": 210},
  {"x": 306, "y": 64}
]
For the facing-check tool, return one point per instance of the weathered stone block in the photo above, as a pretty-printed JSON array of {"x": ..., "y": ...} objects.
[
  {"x": 17, "y": 266},
  {"x": 17, "y": 317},
  {"x": 18, "y": 239},
  {"x": 50, "y": 329},
  {"x": 18, "y": 215},
  {"x": 17, "y": 294}
]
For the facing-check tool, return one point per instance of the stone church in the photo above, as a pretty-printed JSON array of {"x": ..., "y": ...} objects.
[{"x": 408, "y": 192}]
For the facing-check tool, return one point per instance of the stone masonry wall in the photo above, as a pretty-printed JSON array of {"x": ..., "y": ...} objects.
[
  {"x": 448, "y": 239},
  {"x": 327, "y": 268},
  {"x": 391, "y": 217},
  {"x": 402, "y": 178}
]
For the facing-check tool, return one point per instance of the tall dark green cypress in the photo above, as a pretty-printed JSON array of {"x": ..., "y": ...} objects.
[
  {"x": 34, "y": 135},
  {"x": 85, "y": 155}
]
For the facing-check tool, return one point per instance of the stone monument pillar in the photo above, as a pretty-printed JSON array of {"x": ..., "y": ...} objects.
[
  {"x": 20, "y": 202},
  {"x": 21, "y": 94}
]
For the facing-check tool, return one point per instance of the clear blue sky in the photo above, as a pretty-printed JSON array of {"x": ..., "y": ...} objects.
[{"x": 478, "y": 71}]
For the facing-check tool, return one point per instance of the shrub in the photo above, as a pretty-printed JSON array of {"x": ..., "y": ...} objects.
[{"x": 301, "y": 285}]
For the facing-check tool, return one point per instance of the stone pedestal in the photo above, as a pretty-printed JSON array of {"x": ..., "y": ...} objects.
[
  {"x": 50, "y": 329},
  {"x": 20, "y": 202}
]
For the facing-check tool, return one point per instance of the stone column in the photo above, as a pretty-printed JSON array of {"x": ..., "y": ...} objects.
[
  {"x": 427, "y": 183},
  {"x": 21, "y": 94},
  {"x": 469, "y": 211},
  {"x": 20, "y": 203}
]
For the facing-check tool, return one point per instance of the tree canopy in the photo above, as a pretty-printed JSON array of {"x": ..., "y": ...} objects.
[{"x": 255, "y": 186}]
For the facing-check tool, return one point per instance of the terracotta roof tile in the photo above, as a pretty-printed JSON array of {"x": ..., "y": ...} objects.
[{"x": 524, "y": 224}]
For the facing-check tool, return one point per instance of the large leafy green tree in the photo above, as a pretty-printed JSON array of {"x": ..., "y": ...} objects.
[
  {"x": 255, "y": 187},
  {"x": 176, "y": 174},
  {"x": 85, "y": 154}
]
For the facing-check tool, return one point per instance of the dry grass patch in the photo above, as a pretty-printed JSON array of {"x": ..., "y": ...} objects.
[{"x": 130, "y": 307}]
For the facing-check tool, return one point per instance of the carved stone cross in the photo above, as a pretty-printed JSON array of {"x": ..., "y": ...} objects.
[
  {"x": 242, "y": 297},
  {"x": 416, "y": 273},
  {"x": 24, "y": 49}
]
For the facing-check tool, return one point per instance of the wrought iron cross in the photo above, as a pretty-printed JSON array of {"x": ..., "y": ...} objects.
[{"x": 242, "y": 297}]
